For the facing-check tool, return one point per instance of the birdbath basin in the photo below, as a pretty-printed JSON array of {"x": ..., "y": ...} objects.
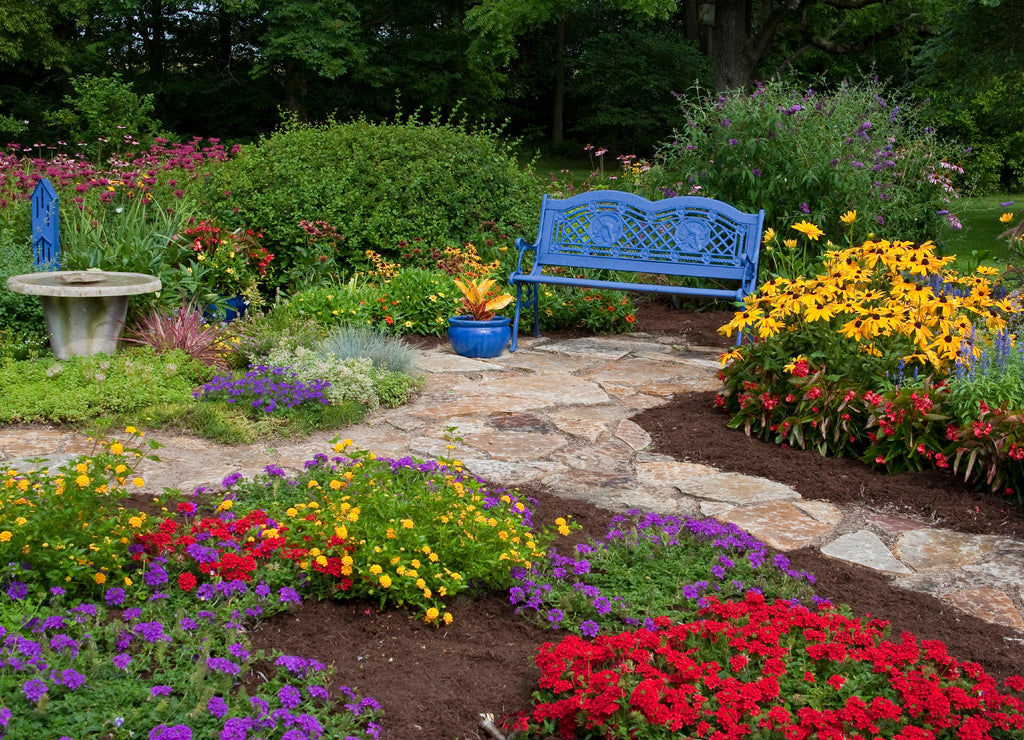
[{"x": 84, "y": 310}]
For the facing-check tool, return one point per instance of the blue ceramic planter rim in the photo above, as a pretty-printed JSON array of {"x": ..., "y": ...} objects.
[{"x": 470, "y": 321}]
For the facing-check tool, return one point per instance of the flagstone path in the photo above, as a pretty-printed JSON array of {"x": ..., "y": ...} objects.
[{"x": 557, "y": 414}]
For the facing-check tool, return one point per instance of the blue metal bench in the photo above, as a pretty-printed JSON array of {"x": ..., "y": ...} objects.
[{"x": 685, "y": 236}]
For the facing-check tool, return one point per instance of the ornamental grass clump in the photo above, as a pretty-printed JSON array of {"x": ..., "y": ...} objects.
[
  {"x": 650, "y": 565},
  {"x": 767, "y": 669},
  {"x": 183, "y": 328}
]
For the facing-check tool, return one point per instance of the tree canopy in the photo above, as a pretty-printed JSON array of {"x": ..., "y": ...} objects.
[{"x": 558, "y": 72}]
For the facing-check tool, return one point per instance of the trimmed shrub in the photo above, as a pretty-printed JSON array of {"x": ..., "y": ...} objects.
[{"x": 374, "y": 185}]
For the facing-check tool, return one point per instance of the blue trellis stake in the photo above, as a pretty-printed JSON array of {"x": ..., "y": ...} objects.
[{"x": 45, "y": 227}]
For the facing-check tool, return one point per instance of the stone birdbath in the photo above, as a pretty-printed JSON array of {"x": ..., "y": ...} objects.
[{"x": 84, "y": 310}]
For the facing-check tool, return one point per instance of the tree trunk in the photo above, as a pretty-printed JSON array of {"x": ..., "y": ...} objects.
[
  {"x": 224, "y": 22},
  {"x": 295, "y": 89},
  {"x": 558, "y": 103},
  {"x": 731, "y": 56},
  {"x": 153, "y": 37}
]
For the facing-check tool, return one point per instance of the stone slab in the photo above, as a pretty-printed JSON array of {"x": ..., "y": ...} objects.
[
  {"x": 545, "y": 363},
  {"x": 928, "y": 549},
  {"x": 989, "y": 604},
  {"x": 633, "y": 434},
  {"x": 590, "y": 424},
  {"x": 514, "y": 446},
  {"x": 591, "y": 348},
  {"x": 449, "y": 362},
  {"x": 778, "y": 524},
  {"x": 893, "y": 525},
  {"x": 864, "y": 548},
  {"x": 511, "y": 474},
  {"x": 513, "y": 394},
  {"x": 822, "y": 511}
]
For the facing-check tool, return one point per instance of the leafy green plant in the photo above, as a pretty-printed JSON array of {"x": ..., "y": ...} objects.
[
  {"x": 610, "y": 312},
  {"x": 815, "y": 154},
  {"x": 330, "y": 305},
  {"x": 106, "y": 113},
  {"x": 388, "y": 183},
  {"x": 416, "y": 301},
  {"x": 648, "y": 566},
  {"x": 256, "y": 335},
  {"x": 21, "y": 316},
  {"x": 421, "y": 531},
  {"x": 70, "y": 524},
  {"x": 85, "y": 389}
]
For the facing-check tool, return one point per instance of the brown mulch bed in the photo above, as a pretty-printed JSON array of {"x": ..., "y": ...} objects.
[{"x": 433, "y": 683}]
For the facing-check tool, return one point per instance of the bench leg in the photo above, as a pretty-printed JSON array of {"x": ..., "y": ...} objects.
[
  {"x": 532, "y": 302},
  {"x": 515, "y": 323}
]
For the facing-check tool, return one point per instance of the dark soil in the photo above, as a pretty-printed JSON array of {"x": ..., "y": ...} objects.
[{"x": 434, "y": 683}]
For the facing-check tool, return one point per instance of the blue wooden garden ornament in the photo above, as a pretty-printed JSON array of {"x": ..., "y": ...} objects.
[{"x": 45, "y": 227}]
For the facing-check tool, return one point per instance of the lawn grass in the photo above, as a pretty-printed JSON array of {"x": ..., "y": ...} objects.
[{"x": 982, "y": 227}]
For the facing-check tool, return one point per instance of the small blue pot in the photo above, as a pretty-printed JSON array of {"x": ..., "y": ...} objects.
[
  {"x": 234, "y": 308},
  {"x": 471, "y": 338}
]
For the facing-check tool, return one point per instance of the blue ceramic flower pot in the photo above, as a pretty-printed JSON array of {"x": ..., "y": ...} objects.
[
  {"x": 472, "y": 338},
  {"x": 234, "y": 308}
]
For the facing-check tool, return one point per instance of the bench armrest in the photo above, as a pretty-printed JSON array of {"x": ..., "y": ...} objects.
[{"x": 523, "y": 246}]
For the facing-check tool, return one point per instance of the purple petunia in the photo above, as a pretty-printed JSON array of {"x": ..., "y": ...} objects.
[
  {"x": 63, "y": 642},
  {"x": 231, "y": 480},
  {"x": 155, "y": 576}
]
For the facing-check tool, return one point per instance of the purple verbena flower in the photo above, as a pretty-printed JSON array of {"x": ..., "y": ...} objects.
[{"x": 34, "y": 689}]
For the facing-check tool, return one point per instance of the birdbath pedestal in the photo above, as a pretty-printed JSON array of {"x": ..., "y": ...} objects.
[{"x": 84, "y": 310}]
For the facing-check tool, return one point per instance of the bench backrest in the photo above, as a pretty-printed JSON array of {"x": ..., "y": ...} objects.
[{"x": 684, "y": 235}]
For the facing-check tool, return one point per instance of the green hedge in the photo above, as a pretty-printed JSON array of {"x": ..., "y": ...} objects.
[{"x": 377, "y": 185}]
